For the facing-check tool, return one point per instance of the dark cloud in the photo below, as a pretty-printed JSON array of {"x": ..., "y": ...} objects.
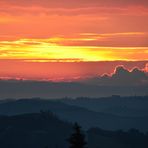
[{"x": 122, "y": 77}]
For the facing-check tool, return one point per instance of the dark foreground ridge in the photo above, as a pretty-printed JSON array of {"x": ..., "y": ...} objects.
[{"x": 42, "y": 130}]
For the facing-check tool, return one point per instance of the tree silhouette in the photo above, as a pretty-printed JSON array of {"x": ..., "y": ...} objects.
[{"x": 77, "y": 139}]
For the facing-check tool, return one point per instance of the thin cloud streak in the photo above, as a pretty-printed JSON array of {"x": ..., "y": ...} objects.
[{"x": 75, "y": 4}]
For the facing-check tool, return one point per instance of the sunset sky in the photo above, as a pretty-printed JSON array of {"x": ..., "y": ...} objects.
[{"x": 65, "y": 39}]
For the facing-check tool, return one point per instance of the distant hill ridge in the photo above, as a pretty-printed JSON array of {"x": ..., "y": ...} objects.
[{"x": 70, "y": 112}]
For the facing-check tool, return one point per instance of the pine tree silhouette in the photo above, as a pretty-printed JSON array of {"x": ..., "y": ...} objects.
[{"x": 77, "y": 139}]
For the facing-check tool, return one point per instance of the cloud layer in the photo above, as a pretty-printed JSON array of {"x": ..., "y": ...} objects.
[
  {"x": 77, "y": 3},
  {"x": 122, "y": 77},
  {"x": 42, "y": 19},
  {"x": 121, "y": 82}
]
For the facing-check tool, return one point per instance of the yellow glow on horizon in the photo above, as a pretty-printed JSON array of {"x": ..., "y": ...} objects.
[{"x": 45, "y": 50}]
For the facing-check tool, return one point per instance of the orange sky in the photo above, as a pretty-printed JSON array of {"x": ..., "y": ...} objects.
[{"x": 35, "y": 31}]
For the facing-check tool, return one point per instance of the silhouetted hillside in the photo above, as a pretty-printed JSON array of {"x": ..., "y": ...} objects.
[
  {"x": 133, "y": 106},
  {"x": 33, "y": 131},
  {"x": 86, "y": 118},
  {"x": 98, "y": 138}
]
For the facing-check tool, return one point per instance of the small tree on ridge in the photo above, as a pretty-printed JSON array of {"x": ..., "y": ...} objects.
[{"x": 77, "y": 139}]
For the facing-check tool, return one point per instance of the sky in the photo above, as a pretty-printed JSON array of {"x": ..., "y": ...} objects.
[{"x": 67, "y": 40}]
